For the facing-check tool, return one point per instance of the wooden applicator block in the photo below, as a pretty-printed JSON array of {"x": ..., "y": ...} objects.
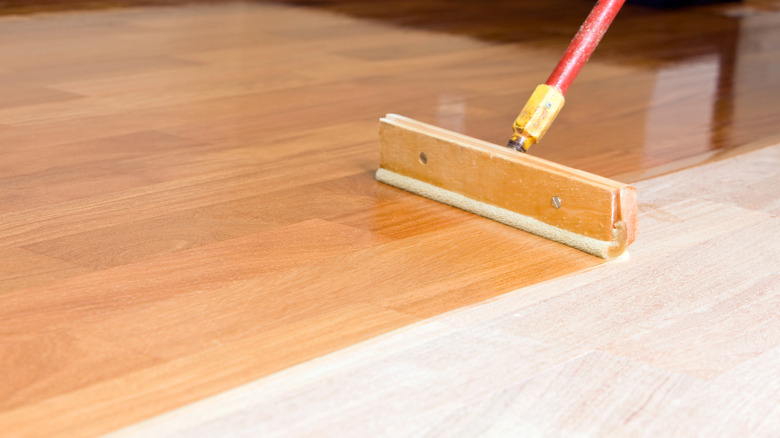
[{"x": 579, "y": 209}]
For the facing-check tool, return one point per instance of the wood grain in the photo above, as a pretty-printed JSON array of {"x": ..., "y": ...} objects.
[
  {"x": 680, "y": 339},
  {"x": 187, "y": 200}
]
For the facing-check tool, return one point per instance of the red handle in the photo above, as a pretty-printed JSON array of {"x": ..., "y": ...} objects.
[{"x": 584, "y": 43}]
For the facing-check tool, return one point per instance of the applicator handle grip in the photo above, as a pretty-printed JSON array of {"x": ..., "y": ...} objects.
[
  {"x": 539, "y": 112},
  {"x": 584, "y": 43}
]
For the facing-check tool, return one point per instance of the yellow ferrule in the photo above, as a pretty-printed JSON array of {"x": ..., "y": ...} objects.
[{"x": 538, "y": 113}]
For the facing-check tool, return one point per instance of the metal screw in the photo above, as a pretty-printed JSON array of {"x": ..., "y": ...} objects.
[
  {"x": 556, "y": 202},
  {"x": 548, "y": 105}
]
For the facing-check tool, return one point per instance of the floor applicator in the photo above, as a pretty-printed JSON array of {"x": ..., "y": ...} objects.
[{"x": 582, "y": 210}]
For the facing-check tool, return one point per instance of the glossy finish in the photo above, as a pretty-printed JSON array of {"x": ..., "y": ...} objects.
[
  {"x": 664, "y": 87},
  {"x": 187, "y": 203},
  {"x": 187, "y": 199}
]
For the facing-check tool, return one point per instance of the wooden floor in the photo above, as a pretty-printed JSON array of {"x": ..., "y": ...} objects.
[
  {"x": 680, "y": 339},
  {"x": 187, "y": 201}
]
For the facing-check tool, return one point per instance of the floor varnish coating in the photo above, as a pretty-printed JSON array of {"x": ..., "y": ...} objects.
[{"x": 187, "y": 200}]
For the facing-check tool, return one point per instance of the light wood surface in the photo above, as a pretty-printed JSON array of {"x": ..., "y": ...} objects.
[
  {"x": 187, "y": 200},
  {"x": 680, "y": 339}
]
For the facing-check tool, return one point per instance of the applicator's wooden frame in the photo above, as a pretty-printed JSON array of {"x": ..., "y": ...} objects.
[{"x": 590, "y": 205}]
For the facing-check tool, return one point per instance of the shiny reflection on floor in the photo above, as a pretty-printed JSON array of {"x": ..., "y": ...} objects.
[
  {"x": 665, "y": 87},
  {"x": 665, "y": 90}
]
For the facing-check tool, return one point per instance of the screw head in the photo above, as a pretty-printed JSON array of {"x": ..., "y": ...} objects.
[{"x": 556, "y": 202}]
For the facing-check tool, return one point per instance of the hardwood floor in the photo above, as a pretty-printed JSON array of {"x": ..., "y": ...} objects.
[
  {"x": 680, "y": 339},
  {"x": 670, "y": 86},
  {"x": 187, "y": 199}
]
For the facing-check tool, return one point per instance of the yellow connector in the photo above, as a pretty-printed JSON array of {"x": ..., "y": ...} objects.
[{"x": 536, "y": 117}]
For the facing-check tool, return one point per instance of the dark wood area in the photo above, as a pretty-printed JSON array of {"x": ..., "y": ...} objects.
[
  {"x": 706, "y": 76},
  {"x": 685, "y": 85}
]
